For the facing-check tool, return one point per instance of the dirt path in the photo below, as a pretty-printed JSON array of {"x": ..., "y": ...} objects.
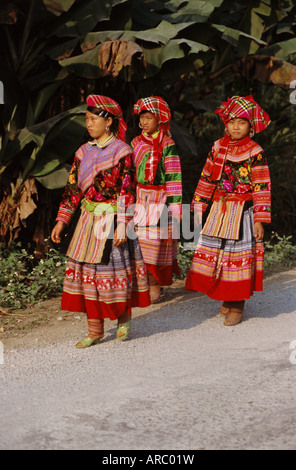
[
  {"x": 45, "y": 323},
  {"x": 181, "y": 381}
]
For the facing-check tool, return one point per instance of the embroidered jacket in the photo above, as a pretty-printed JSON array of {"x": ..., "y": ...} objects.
[
  {"x": 245, "y": 171},
  {"x": 168, "y": 171},
  {"x": 100, "y": 175}
]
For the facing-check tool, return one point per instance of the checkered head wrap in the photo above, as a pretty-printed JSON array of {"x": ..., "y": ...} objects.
[
  {"x": 237, "y": 107},
  {"x": 112, "y": 108},
  {"x": 244, "y": 107},
  {"x": 157, "y": 106}
]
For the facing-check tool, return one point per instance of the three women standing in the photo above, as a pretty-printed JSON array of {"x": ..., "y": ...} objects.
[{"x": 106, "y": 277}]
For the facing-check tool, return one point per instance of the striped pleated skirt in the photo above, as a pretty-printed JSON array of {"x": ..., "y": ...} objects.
[
  {"x": 155, "y": 234},
  {"x": 105, "y": 289},
  {"x": 228, "y": 269}
]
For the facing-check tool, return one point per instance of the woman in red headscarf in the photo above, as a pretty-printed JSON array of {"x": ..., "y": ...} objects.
[
  {"x": 228, "y": 260},
  {"x": 159, "y": 192},
  {"x": 105, "y": 275}
]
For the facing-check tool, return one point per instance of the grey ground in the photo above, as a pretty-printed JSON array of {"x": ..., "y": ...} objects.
[{"x": 183, "y": 381}]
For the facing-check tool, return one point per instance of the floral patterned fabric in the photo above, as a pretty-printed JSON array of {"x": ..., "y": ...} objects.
[
  {"x": 231, "y": 267},
  {"x": 241, "y": 174},
  {"x": 109, "y": 184}
]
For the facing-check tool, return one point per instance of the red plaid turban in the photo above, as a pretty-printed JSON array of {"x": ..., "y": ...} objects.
[
  {"x": 244, "y": 107},
  {"x": 113, "y": 108},
  {"x": 158, "y": 106},
  {"x": 237, "y": 107}
]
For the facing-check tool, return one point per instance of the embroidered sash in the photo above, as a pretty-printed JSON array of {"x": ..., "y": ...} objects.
[
  {"x": 225, "y": 215},
  {"x": 151, "y": 200},
  {"x": 92, "y": 231}
]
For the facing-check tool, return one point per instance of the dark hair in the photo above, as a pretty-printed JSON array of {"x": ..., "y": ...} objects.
[{"x": 105, "y": 114}]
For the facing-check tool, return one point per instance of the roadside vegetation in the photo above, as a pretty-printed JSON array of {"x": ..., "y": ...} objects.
[
  {"x": 193, "y": 53},
  {"x": 25, "y": 281}
]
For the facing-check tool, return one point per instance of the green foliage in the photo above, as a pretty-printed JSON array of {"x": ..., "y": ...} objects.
[
  {"x": 184, "y": 258},
  {"x": 53, "y": 53},
  {"x": 54, "y": 47},
  {"x": 25, "y": 281},
  {"x": 280, "y": 252}
]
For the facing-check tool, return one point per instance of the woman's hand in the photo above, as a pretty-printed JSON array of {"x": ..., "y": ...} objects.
[
  {"x": 259, "y": 231},
  {"x": 57, "y": 231},
  {"x": 120, "y": 235}
]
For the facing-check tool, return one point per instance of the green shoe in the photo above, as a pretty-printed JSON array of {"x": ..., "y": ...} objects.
[
  {"x": 87, "y": 342},
  {"x": 123, "y": 330}
]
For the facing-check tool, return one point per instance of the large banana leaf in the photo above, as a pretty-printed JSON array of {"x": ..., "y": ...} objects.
[
  {"x": 108, "y": 58},
  {"x": 162, "y": 34},
  {"x": 57, "y": 7},
  {"x": 155, "y": 58},
  {"x": 281, "y": 50},
  {"x": 159, "y": 35},
  {"x": 83, "y": 17},
  {"x": 193, "y": 10},
  {"x": 57, "y": 179},
  {"x": 60, "y": 144},
  {"x": 193, "y": 52},
  {"x": 42, "y": 134},
  {"x": 267, "y": 69},
  {"x": 91, "y": 64}
]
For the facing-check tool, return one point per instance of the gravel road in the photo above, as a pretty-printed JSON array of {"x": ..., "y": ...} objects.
[{"x": 182, "y": 381}]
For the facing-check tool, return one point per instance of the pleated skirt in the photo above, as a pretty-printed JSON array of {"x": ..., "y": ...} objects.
[
  {"x": 228, "y": 269},
  {"x": 107, "y": 290},
  {"x": 159, "y": 253},
  {"x": 153, "y": 224}
]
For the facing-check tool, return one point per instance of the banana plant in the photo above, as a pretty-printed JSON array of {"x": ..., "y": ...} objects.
[
  {"x": 38, "y": 139},
  {"x": 54, "y": 52}
]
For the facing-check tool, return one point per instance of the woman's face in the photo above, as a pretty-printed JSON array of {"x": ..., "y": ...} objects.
[
  {"x": 238, "y": 128},
  {"x": 96, "y": 125},
  {"x": 149, "y": 122}
]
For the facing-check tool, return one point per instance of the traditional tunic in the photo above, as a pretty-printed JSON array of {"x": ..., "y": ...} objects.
[
  {"x": 157, "y": 200},
  {"x": 103, "y": 280},
  {"x": 228, "y": 262}
]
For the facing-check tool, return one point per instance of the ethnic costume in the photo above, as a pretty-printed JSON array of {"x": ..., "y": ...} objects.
[
  {"x": 159, "y": 192},
  {"x": 228, "y": 261},
  {"x": 101, "y": 279}
]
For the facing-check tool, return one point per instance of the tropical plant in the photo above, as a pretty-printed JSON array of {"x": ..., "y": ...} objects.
[
  {"x": 194, "y": 53},
  {"x": 25, "y": 280}
]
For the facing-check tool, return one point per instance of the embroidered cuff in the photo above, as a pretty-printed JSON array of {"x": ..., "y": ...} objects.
[{"x": 64, "y": 215}]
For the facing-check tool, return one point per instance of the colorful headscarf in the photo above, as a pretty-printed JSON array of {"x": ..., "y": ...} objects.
[
  {"x": 112, "y": 107},
  {"x": 158, "y": 107},
  {"x": 237, "y": 107},
  {"x": 244, "y": 107}
]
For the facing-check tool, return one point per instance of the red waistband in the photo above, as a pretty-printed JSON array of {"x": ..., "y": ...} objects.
[
  {"x": 219, "y": 194},
  {"x": 154, "y": 187}
]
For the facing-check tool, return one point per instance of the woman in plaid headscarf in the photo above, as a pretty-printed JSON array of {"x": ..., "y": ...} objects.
[
  {"x": 228, "y": 260},
  {"x": 159, "y": 192},
  {"x": 105, "y": 275}
]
